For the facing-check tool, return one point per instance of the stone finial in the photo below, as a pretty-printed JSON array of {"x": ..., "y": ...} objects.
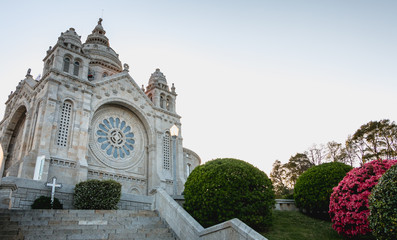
[
  {"x": 126, "y": 67},
  {"x": 28, "y": 73},
  {"x": 173, "y": 88},
  {"x": 100, "y": 21},
  {"x": 143, "y": 88},
  {"x": 49, "y": 50}
]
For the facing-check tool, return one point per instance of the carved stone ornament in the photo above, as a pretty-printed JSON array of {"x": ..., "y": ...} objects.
[{"x": 117, "y": 139}]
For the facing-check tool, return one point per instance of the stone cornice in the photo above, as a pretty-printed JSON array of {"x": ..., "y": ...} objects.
[
  {"x": 68, "y": 49},
  {"x": 67, "y": 76}
]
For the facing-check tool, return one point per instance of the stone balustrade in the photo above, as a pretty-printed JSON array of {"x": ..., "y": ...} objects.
[{"x": 285, "y": 205}]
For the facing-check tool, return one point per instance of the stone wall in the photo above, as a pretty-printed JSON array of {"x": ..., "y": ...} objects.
[{"x": 27, "y": 191}]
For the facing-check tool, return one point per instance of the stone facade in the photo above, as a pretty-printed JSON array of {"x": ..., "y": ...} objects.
[{"x": 87, "y": 118}]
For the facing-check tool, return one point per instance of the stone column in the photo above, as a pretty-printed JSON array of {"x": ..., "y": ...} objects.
[{"x": 152, "y": 176}]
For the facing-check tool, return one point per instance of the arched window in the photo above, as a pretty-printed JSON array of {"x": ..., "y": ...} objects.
[
  {"x": 66, "y": 63},
  {"x": 161, "y": 101},
  {"x": 64, "y": 123},
  {"x": 168, "y": 104},
  {"x": 166, "y": 151},
  {"x": 76, "y": 68}
]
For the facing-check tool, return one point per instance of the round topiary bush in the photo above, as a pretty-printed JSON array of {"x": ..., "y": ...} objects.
[
  {"x": 348, "y": 206},
  {"x": 383, "y": 206},
  {"x": 223, "y": 189},
  {"x": 96, "y": 194},
  {"x": 44, "y": 202},
  {"x": 314, "y": 187}
]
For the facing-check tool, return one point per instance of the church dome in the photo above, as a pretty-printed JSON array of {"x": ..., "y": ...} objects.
[
  {"x": 98, "y": 35},
  {"x": 98, "y": 48},
  {"x": 157, "y": 77},
  {"x": 70, "y": 37}
]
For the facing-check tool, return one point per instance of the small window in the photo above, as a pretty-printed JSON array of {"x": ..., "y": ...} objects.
[
  {"x": 105, "y": 74},
  {"x": 76, "y": 68},
  {"x": 66, "y": 63}
]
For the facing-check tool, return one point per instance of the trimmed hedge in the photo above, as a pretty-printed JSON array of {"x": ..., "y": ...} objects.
[
  {"x": 383, "y": 206},
  {"x": 227, "y": 188},
  {"x": 44, "y": 202},
  {"x": 97, "y": 194},
  {"x": 348, "y": 206},
  {"x": 314, "y": 187}
]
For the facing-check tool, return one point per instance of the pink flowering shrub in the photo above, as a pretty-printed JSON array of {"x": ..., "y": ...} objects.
[{"x": 348, "y": 206}]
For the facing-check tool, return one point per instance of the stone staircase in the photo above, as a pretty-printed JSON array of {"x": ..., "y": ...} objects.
[{"x": 83, "y": 224}]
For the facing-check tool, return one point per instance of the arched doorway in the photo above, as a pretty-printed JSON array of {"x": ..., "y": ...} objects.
[{"x": 15, "y": 143}]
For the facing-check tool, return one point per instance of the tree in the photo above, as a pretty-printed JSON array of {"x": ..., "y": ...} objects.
[
  {"x": 316, "y": 154},
  {"x": 336, "y": 152},
  {"x": 374, "y": 140},
  {"x": 278, "y": 177},
  {"x": 350, "y": 155},
  {"x": 296, "y": 166}
]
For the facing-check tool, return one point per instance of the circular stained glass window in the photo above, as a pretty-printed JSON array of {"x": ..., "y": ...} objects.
[{"x": 115, "y": 137}]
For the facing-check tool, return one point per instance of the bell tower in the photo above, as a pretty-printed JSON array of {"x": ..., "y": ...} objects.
[{"x": 67, "y": 56}]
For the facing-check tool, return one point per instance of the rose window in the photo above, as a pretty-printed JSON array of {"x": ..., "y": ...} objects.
[{"x": 115, "y": 137}]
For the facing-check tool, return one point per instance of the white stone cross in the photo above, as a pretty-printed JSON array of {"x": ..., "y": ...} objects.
[{"x": 53, "y": 185}]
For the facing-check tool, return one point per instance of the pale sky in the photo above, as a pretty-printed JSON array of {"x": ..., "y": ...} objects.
[{"x": 256, "y": 80}]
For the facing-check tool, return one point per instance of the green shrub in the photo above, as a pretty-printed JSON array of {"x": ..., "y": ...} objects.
[
  {"x": 44, "y": 202},
  {"x": 223, "y": 189},
  {"x": 383, "y": 206},
  {"x": 96, "y": 194},
  {"x": 314, "y": 187}
]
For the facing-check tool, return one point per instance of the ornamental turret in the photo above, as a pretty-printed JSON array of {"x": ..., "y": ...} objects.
[{"x": 159, "y": 92}]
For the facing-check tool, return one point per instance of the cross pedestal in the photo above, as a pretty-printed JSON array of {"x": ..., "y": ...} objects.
[{"x": 53, "y": 185}]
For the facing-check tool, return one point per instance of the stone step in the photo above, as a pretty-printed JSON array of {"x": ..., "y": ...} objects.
[{"x": 82, "y": 224}]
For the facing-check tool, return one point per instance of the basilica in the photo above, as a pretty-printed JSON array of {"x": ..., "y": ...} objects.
[{"x": 87, "y": 118}]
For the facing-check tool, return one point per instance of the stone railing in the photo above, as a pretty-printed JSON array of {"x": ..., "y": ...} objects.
[
  {"x": 186, "y": 227},
  {"x": 285, "y": 205}
]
